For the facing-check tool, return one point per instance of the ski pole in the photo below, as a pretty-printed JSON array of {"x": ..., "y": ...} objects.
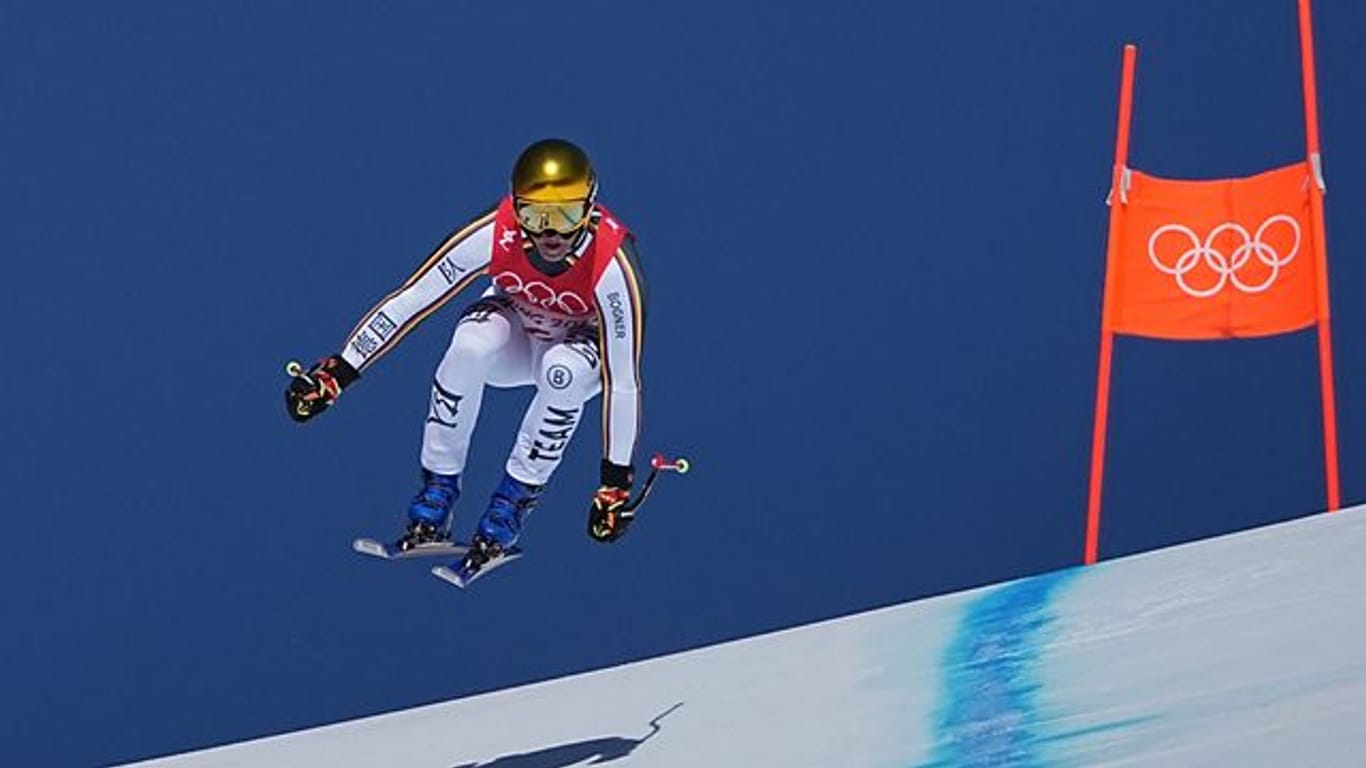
[{"x": 657, "y": 464}]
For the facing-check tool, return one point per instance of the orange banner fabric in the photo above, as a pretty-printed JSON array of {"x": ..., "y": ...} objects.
[{"x": 1231, "y": 258}]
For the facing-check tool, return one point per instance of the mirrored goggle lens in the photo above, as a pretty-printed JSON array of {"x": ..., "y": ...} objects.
[{"x": 561, "y": 217}]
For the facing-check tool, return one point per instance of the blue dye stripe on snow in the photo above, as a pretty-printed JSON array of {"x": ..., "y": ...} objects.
[{"x": 990, "y": 715}]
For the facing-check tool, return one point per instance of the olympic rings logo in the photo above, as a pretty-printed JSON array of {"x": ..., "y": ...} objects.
[
  {"x": 539, "y": 294},
  {"x": 1227, "y": 268}
]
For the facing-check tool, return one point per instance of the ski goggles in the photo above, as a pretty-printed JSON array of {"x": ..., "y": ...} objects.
[{"x": 563, "y": 217}]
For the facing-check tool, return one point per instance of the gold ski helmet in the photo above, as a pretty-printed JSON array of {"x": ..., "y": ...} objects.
[{"x": 553, "y": 187}]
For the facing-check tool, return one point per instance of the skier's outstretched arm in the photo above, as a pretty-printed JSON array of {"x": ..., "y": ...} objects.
[
  {"x": 621, "y": 327},
  {"x": 454, "y": 265}
]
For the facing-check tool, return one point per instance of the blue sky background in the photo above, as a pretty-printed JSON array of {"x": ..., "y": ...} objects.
[{"x": 873, "y": 236}]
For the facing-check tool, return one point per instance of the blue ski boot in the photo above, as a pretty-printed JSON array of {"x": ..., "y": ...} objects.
[
  {"x": 429, "y": 513},
  {"x": 501, "y": 526}
]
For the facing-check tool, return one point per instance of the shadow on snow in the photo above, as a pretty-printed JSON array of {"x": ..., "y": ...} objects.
[{"x": 601, "y": 750}]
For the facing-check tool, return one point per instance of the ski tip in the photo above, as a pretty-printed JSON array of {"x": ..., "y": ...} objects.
[
  {"x": 371, "y": 547},
  {"x": 448, "y": 575}
]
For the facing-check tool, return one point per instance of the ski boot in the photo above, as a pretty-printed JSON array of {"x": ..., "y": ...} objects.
[
  {"x": 494, "y": 542},
  {"x": 512, "y": 501},
  {"x": 429, "y": 513}
]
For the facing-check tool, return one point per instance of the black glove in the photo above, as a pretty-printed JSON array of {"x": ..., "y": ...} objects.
[
  {"x": 610, "y": 513},
  {"x": 310, "y": 392}
]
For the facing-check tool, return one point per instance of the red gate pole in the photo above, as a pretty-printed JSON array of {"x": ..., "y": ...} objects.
[
  {"x": 1316, "y": 191},
  {"x": 1107, "y": 335}
]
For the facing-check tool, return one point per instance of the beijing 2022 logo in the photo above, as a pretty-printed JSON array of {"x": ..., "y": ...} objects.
[{"x": 1227, "y": 268}]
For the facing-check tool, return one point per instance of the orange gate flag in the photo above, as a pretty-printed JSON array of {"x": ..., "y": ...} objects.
[{"x": 1230, "y": 258}]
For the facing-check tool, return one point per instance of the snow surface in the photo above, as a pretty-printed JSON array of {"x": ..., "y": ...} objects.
[{"x": 1243, "y": 650}]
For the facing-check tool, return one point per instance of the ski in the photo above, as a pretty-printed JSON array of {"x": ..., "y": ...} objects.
[
  {"x": 375, "y": 548},
  {"x": 465, "y": 573}
]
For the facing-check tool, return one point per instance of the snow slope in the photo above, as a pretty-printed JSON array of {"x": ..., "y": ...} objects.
[{"x": 1244, "y": 650}]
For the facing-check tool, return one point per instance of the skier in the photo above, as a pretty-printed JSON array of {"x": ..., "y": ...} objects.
[{"x": 564, "y": 314}]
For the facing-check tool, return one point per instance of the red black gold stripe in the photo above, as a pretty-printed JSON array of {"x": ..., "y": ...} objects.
[
  {"x": 424, "y": 314},
  {"x": 625, "y": 259},
  {"x": 440, "y": 253}
]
